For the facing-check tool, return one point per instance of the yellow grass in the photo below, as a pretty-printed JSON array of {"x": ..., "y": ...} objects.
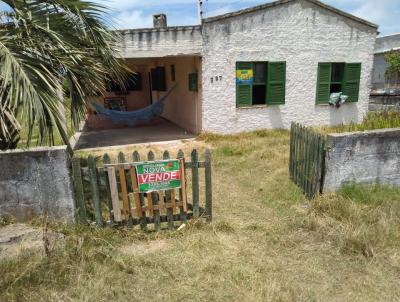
[{"x": 267, "y": 243}]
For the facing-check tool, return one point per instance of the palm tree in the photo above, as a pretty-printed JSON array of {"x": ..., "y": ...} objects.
[{"x": 42, "y": 44}]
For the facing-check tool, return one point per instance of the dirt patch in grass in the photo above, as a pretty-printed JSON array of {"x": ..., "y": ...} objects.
[
  {"x": 17, "y": 239},
  {"x": 144, "y": 248}
]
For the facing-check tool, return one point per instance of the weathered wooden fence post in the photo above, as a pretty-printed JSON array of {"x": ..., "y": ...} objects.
[
  {"x": 143, "y": 218},
  {"x": 79, "y": 193},
  {"x": 95, "y": 190},
  {"x": 195, "y": 183},
  {"x": 104, "y": 174},
  {"x": 168, "y": 196},
  {"x": 154, "y": 197},
  {"x": 208, "y": 184},
  {"x": 182, "y": 190}
]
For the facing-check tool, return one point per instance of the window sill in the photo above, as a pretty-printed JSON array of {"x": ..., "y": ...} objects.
[
  {"x": 254, "y": 106},
  {"x": 328, "y": 105}
]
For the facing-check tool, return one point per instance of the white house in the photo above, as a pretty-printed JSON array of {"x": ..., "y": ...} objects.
[{"x": 256, "y": 68}]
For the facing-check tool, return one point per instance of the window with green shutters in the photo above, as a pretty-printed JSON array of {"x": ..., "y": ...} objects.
[
  {"x": 259, "y": 83},
  {"x": 338, "y": 77}
]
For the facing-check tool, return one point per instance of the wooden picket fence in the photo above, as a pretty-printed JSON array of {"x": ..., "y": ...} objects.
[
  {"x": 106, "y": 193},
  {"x": 307, "y": 159}
]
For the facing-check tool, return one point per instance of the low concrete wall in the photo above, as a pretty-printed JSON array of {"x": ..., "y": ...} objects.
[
  {"x": 363, "y": 157},
  {"x": 34, "y": 181}
]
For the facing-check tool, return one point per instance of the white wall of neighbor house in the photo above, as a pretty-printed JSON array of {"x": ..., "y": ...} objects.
[{"x": 300, "y": 33}]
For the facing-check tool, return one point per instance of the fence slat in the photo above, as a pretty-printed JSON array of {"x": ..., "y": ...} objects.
[
  {"x": 124, "y": 190},
  {"x": 154, "y": 199},
  {"x": 182, "y": 190},
  {"x": 79, "y": 193},
  {"x": 291, "y": 150},
  {"x": 208, "y": 184},
  {"x": 142, "y": 217},
  {"x": 104, "y": 175},
  {"x": 136, "y": 195},
  {"x": 95, "y": 190},
  {"x": 311, "y": 171},
  {"x": 112, "y": 180},
  {"x": 168, "y": 196},
  {"x": 195, "y": 183},
  {"x": 307, "y": 161}
]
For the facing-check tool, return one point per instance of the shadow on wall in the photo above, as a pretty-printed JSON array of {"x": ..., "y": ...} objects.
[
  {"x": 275, "y": 116},
  {"x": 346, "y": 114}
]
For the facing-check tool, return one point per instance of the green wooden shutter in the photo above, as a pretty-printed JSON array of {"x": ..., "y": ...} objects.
[
  {"x": 276, "y": 83},
  {"x": 351, "y": 85},
  {"x": 323, "y": 83},
  {"x": 193, "y": 82},
  {"x": 243, "y": 91}
]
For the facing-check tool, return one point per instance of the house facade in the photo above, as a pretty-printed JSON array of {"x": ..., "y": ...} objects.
[{"x": 257, "y": 68}]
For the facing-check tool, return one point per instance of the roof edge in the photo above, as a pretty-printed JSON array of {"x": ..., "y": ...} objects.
[
  {"x": 153, "y": 29},
  {"x": 281, "y": 2},
  {"x": 386, "y": 50},
  {"x": 387, "y": 36}
]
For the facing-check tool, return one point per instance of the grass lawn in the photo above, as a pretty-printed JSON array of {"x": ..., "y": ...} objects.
[{"x": 267, "y": 243}]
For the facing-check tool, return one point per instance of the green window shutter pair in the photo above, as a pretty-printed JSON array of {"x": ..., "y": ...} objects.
[
  {"x": 276, "y": 85},
  {"x": 350, "y": 86}
]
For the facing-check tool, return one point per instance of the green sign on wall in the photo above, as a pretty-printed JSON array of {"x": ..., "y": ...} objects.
[{"x": 158, "y": 175}]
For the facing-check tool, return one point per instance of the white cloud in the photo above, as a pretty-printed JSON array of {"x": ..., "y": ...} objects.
[
  {"x": 137, "y": 13},
  {"x": 132, "y": 19},
  {"x": 382, "y": 12}
]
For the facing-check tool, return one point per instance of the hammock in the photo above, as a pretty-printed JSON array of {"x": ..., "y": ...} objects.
[{"x": 132, "y": 118}]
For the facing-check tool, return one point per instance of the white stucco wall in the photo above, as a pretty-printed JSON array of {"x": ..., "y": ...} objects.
[
  {"x": 160, "y": 42},
  {"x": 300, "y": 33}
]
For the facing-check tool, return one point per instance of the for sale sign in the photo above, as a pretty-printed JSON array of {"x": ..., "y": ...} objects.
[{"x": 158, "y": 175}]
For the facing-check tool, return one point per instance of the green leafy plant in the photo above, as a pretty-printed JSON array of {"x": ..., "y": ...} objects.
[
  {"x": 393, "y": 59},
  {"x": 42, "y": 45}
]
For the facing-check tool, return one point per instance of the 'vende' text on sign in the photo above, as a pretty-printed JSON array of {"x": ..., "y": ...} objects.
[{"x": 159, "y": 175}]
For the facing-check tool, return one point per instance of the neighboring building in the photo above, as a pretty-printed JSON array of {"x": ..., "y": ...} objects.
[
  {"x": 256, "y": 68},
  {"x": 383, "y": 46}
]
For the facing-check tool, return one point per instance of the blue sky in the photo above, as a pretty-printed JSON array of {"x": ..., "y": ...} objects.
[{"x": 138, "y": 13}]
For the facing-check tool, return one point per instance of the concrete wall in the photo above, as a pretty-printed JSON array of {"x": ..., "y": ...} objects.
[
  {"x": 160, "y": 42},
  {"x": 300, "y": 33},
  {"x": 363, "y": 157},
  {"x": 34, "y": 181},
  {"x": 183, "y": 107}
]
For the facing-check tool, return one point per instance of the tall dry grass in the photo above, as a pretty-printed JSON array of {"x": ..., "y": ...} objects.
[{"x": 267, "y": 243}]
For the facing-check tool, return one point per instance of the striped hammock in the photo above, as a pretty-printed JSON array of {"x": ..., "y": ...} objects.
[{"x": 132, "y": 118}]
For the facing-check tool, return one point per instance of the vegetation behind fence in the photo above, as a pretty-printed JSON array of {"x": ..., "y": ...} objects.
[
  {"x": 307, "y": 155},
  {"x": 106, "y": 193}
]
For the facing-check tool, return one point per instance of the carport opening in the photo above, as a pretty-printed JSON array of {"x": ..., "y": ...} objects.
[{"x": 151, "y": 81}]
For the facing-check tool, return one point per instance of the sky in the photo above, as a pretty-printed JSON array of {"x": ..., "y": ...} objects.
[{"x": 138, "y": 13}]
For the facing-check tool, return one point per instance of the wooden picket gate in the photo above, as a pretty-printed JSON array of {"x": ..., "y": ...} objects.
[
  {"x": 108, "y": 193},
  {"x": 307, "y": 159}
]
